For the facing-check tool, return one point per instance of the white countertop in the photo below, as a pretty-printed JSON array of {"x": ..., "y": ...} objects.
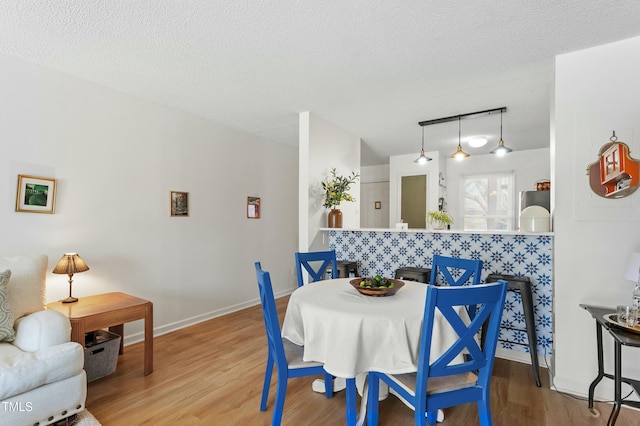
[{"x": 431, "y": 231}]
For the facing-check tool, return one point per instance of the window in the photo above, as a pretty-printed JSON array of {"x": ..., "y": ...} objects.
[{"x": 488, "y": 201}]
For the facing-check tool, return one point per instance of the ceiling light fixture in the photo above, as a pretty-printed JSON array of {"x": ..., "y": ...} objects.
[
  {"x": 423, "y": 159},
  {"x": 478, "y": 142},
  {"x": 459, "y": 154},
  {"x": 501, "y": 149}
]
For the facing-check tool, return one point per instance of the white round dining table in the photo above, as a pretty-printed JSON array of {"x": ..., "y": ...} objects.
[{"x": 352, "y": 333}]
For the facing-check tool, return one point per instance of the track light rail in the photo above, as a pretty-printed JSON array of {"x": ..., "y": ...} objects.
[{"x": 461, "y": 116}]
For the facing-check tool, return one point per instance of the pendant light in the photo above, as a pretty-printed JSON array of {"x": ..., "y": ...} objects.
[
  {"x": 501, "y": 149},
  {"x": 459, "y": 154},
  {"x": 423, "y": 159}
]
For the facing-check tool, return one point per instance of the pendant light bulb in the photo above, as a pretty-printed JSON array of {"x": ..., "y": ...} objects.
[
  {"x": 501, "y": 149},
  {"x": 459, "y": 154},
  {"x": 423, "y": 159}
]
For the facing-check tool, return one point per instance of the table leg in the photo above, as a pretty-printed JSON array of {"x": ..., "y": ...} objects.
[
  {"x": 440, "y": 415},
  {"x": 360, "y": 384},
  {"x": 600, "y": 375},
  {"x": 338, "y": 384},
  {"x": 119, "y": 330},
  {"x": 148, "y": 339},
  {"x": 618, "y": 384},
  {"x": 78, "y": 332}
]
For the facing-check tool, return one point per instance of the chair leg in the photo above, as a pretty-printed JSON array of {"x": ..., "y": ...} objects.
[
  {"x": 267, "y": 383},
  {"x": 432, "y": 417},
  {"x": 372, "y": 399},
  {"x": 328, "y": 384},
  {"x": 484, "y": 412},
  {"x": 281, "y": 392},
  {"x": 352, "y": 416}
]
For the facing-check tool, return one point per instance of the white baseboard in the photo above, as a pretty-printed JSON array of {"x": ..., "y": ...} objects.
[
  {"x": 178, "y": 325},
  {"x": 523, "y": 357}
]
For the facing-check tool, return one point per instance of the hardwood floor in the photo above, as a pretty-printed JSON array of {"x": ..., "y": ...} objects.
[{"x": 212, "y": 373}]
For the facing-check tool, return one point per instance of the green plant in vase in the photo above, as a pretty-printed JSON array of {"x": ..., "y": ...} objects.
[
  {"x": 336, "y": 189},
  {"x": 438, "y": 219}
]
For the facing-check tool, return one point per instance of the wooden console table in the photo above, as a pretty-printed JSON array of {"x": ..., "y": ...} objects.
[{"x": 110, "y": 310}]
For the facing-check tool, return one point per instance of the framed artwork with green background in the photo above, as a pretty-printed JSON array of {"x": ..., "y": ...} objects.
[{"x": 36, "y": 194}]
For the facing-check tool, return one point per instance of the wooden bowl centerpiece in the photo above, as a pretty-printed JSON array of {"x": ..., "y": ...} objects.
[{"x": 377, "y": 286}]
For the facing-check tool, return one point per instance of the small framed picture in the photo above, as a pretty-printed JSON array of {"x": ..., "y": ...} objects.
[
  {"x": 378, "y": 205},
  {"x": 36, "y": 194},
  {"x": 253, "y": 207},
  {"x": 179, "y": 203}
]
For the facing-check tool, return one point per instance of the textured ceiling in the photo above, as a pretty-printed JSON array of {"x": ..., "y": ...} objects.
[{"x": 375, "y": 68}]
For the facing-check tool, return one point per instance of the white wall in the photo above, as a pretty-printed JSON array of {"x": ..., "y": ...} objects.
[
  {"x": 371, "y": 195},
  {"x": 324, "y": 146},
  {"x": 596, "y": 92},
  {"x": 529, "y": 166},
  {"x": 403, "y": 165},
  {"x": 116, "y": 158},
  {"x": 374, "y": 174}
]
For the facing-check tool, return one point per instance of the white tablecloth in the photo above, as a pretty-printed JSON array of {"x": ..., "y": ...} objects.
[{"x": 351, "y": 333}]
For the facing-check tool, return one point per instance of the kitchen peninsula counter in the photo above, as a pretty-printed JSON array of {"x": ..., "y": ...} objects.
[
  {"x": 382, "y": 251},
  {"x": 430, "y": 231}
]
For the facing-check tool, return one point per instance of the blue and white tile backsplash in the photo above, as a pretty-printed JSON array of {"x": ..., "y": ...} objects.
[{"x": 382, "y": 252}]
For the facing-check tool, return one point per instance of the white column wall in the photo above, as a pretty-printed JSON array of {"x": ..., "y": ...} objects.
[
  {"x": 596, "y": 92},
  {"x": 324, "y": 146}
]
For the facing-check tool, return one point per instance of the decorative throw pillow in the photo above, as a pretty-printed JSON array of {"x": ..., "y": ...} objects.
[
  {"x": 27, "y": 288},
  {"x": 7, "y": 334}
]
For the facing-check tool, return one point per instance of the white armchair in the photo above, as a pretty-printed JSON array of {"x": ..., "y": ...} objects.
[{"x": 41, "y": 372}]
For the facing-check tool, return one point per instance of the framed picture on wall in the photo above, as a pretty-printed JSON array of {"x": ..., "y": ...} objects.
[
  {"x": 179, "y": 203},
  {"x": 36, "y": 194},
  {"x": 253, "y": 207}
]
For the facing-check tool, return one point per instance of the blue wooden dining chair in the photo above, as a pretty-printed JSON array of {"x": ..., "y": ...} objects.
[
  {"x": 286, "y": 355},
  {"x": 456, "y": 272},
  {"x": 311, "y": 263},
  {"x": 445, "y": 381},
  {"x": 288, "y": 358}
]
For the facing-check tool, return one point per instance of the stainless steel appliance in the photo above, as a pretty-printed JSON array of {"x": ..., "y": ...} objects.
[{"x": 533, "y": 198}]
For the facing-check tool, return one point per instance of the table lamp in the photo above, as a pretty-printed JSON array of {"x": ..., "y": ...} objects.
[{"x": 70, "y": 263}]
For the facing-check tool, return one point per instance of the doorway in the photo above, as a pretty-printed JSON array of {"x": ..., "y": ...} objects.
[{"x": 413, "y": 204}]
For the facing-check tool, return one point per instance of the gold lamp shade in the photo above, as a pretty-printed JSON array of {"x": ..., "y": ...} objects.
[
  {"x": 459, "y": 154},
  {"x": 70, "y": 263}
]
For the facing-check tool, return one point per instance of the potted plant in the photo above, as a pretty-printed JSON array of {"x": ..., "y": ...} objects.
[
  {"x": 335, "y": 188},
  {"x": 438, "y": 219}
]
